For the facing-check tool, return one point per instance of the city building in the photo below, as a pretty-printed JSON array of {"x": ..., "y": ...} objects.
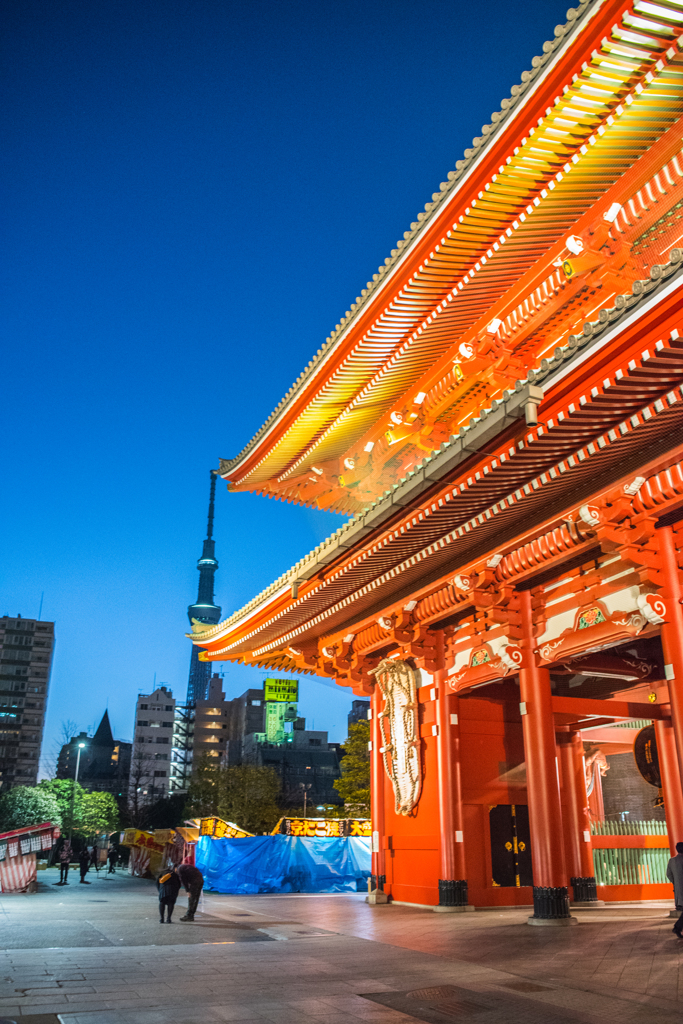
[
  {"x": 245, "y": 715},
  {"x": 210, "y": 724},
  {"x": 104, "y": 763},
  {"x": 500, "y": 414},
  {"x": 27, "y": 646},
  {"x": 303, "y": 758},
  {"x": 359, "y": 711},
  {"x": 150, "y": 765}
]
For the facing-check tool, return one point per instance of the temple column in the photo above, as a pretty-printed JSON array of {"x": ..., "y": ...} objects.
[
  {"x": 671, "y": 781},
  {"x": 578, "y": 849},
  {"x": 672, "y": 635},
  {"x": 377, "y": 894},
  {"x": 551, "y": 898},
  {"x": 453, "y": 880}
]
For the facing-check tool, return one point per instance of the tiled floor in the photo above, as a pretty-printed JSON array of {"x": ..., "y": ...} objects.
[{"x": 97, "y": 955}]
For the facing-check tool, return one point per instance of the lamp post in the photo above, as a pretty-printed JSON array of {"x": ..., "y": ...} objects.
[
  {"x": 73, "y": 791},
  {"x": 305, "y": 786}
]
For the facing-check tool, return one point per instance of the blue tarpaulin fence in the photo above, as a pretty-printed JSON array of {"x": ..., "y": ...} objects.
[{"x": 284, "y": 864}]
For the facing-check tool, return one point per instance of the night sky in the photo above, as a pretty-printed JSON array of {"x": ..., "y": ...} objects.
[{"x": 194, "y": 193}]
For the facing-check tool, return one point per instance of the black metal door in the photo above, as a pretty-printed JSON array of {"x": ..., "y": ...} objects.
[{"x": 510, "y": 845}]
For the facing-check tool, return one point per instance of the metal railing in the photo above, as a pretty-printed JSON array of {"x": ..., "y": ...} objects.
[
  {"x": 630, "y": 867},
  {"x": 628, "y": 828}
]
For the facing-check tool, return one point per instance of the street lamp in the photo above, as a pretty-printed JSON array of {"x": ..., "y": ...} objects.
[
  {"x": 73, "y": 791},
  {"x": 305, "y": 786}
]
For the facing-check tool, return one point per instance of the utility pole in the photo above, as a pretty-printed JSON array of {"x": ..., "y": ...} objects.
[{"x": 73, "y": 791}]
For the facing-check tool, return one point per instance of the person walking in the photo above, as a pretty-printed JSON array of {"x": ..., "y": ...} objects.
[
  {"x": 112, "y": 857},
  {"x": 169, "y": 887},
  {"x": 65, "y": 855},
  {"x": 94, "y": 862},
  {"x": 674, "y": 872},
  {"x": 84, "y": 864},
  {"x": 193, "y": 880}
]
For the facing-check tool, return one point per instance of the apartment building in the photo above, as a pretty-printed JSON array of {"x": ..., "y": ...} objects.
[
  {"x": 150, "y": 765},
  {"x": 26, "y": 649}
]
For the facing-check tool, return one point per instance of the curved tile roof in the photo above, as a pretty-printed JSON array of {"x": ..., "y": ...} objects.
[{"x": 499, "y": 120}]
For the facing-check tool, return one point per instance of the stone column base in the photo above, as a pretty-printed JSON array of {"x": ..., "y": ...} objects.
[
  {"x": 376, "y": 897},
  {"x": 552, "y": 922},
  {"x": 587, "y": 904},
  {"x": 454, "y": 910},
  {"x": 585, "y": 890},
  {"x": 452, "y": 893},
  {"x": 551, "y": 906}
]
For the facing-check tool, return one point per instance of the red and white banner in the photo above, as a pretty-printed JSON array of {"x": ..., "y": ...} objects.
[
  {"x": 17, "y": 872},
  {"x": 139, "y": 861}
]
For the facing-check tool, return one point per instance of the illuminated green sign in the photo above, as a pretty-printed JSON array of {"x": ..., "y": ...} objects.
[{"x": 286, "y": 690}]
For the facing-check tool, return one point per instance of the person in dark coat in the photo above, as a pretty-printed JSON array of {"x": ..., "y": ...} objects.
[
  {"x": 84, "y": 864},
  {"x": 94, "y": 860},
  {"x": 674, "y": 872},
  {"x": 168, "y": 894},
  {"x": 112, "y": 857},
  {"x": 193, "y": 880}
]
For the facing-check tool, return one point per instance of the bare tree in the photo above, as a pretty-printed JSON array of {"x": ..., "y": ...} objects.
[
  {"x": 141, "y": 786},
  {"x": 67, "y": 730}
]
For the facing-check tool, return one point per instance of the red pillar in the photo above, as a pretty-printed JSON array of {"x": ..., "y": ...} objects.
[
  {"x": 452, "y": 880},
  {"x": 672, "y": 634},
  {"x": 377, "y": 776},
  {"x": 578, "y": 849},
  {"x": 671, "y": 782},
  {"x": 551, "y": 901}
]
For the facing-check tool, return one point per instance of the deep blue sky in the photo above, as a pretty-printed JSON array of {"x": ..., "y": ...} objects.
[{"x": 194, "y": 192}]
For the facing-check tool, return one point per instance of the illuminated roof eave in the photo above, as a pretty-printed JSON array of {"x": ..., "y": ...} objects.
[
  {"x": 423, "y": 232},
  {"x": 663, "y": 281}
]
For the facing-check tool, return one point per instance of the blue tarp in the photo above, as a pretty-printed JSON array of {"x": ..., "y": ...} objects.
[{"x": 283, "y": 864}]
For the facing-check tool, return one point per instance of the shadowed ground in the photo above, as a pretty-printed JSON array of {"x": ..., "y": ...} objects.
[{"x": 97, "y": 954}]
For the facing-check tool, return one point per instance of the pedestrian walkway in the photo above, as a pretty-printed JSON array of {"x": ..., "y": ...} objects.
[{"x": 97, "y": 955}]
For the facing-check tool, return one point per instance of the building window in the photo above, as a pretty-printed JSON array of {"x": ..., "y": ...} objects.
[
  {"x": 314, "y": 743},
  {"x": 160, "y": 775},
  {"x": 168, "y": 707},
  {"x": 162, "y": 739},
  {"x": 143, "y": 723},
  {"x": 167, "y": 725},
  {"x": 144, "y": 707}
]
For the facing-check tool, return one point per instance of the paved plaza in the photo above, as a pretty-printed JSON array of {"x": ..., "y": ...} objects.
[{"x": 97, "y": 954}]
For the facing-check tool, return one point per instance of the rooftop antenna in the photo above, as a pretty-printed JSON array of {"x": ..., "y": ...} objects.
[
  {"x": 40, "y": 610},
  {"x": 212, "y": 502}
]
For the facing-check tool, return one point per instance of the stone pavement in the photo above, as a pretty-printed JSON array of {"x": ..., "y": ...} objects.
[{"x": 97, "y": 955}]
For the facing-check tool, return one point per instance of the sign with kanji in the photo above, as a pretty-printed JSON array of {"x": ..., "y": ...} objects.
[
  {"x": 325, "y": 828},
  {"x": 286, "y": 690},
  {"x": 219, "y": 829}
]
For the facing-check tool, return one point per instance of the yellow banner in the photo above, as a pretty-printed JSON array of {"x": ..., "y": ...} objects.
[
  {"x": 219, "y": 829},
  {"x": 326, "y": 828}
]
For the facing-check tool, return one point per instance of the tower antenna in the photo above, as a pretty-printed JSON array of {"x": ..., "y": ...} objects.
[{"x": 204, "y": 609}]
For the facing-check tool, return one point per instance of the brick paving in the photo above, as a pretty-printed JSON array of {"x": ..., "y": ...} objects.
[{"x": 97, "y": 955}]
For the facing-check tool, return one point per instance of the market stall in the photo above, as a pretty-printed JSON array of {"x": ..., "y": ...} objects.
[{"x": 18, "y": 851}]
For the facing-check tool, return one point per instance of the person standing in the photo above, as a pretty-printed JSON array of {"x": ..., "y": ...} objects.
[
  {"x": 674, "y": 872},
  {"x": 65, "y": 855},
  {"x": 84, "y": 864},
  {"x": 93, "y": 858},
  {"x": 169, "y": 887},
  {"x": 193, "y": 880},
  {"x": 111, "y": 857}
]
